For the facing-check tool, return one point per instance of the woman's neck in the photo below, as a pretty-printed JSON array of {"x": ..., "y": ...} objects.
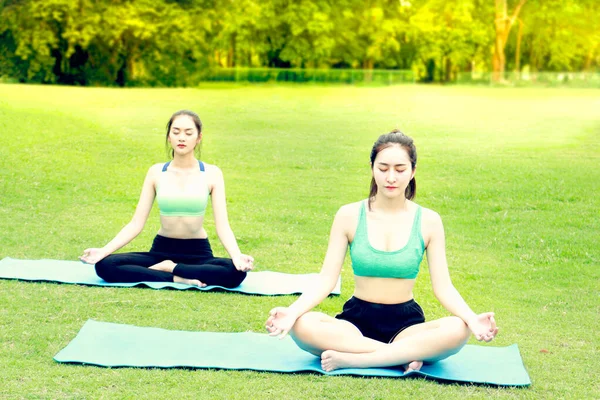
[
  {"x": 387, "y": 205},
  {"x": 184, "y": 162}
]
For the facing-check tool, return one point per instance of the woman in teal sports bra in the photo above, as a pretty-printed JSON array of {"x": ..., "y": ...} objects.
[
  {"x": 180, "y": 251},
  {"x": 382, "y": 325}
]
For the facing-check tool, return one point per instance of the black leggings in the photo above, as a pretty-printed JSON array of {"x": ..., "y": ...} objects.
[{"x": 194, "y": 259}]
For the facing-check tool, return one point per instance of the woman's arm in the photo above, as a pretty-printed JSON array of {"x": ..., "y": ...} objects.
[
  {"x": 219, "y": 206},
  {"x": 282, "y": 319},
  {"x": 132, "y": 229},
  {"x": 482, "y": 325}
]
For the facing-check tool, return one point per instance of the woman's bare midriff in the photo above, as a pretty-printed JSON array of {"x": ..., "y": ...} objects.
[
  {"x": 182, "y": 227},
  {"x": 383, "y": 290}
]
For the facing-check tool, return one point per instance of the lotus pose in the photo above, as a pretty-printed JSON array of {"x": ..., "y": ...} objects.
[
  {"x": 382, "y": 325},
  {"x": 181, "y": 251}
]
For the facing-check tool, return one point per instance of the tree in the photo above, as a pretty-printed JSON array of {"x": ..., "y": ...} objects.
[
  {"x": 503, "y": 24},
  {"x": 451, "y": 36}
]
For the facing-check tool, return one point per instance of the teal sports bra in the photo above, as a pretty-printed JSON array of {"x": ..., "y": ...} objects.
[
  {"x": 190, "y": 202},
  {"x": 370, "y": 262}
]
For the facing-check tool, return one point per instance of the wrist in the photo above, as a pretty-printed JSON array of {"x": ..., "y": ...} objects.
[
  {"x": 294, "y": 313},
  {"x": 470, "y": 319}
]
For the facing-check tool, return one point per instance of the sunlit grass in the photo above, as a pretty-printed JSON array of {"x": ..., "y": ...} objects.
[{"x": 513, "y": 172}]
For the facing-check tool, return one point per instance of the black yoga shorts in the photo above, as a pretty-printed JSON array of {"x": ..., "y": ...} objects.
[{"x": 381, "y": 322}]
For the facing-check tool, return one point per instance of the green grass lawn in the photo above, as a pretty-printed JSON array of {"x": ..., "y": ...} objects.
[{"x": 515, "y": 174}]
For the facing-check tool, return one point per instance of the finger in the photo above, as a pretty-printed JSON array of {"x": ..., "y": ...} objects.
[
  {"x": 492, "y": 323},
  {"x": 275, "y": 332},
  {"x": 283, "y": 334},
  {"x": 273, "y": 312}
]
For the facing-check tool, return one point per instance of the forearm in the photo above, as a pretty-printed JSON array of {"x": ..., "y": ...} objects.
[
  {"x": 453, "y": 302},
  {"x": 126, "y": 235},
  {"x": 229, "y": 241},
  {"x": 319, "y": 290}
]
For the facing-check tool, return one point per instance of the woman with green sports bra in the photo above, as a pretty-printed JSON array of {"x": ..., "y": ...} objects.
[
  {"x": 180, "y": 251},
  {"x": 382, "y": 325}
]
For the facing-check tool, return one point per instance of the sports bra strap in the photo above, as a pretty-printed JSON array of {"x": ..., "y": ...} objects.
[{"x": 200, "y": 164}]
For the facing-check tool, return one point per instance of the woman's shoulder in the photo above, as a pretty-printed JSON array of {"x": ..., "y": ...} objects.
[
  {"x": 212, "y": 168},
  {"x": 157, "y": 166},
  {"x": 350, "y": 210},
  {"x": 156, "y": 169},
  {"x": 429, "y": 216}
]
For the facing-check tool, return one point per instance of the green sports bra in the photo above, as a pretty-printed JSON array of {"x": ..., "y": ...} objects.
[
  {"x": 191, "y": 202},
  {"x": 370, "y": 262}
]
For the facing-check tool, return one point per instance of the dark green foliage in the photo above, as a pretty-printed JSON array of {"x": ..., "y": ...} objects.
[{"x": 177, "y": 42}]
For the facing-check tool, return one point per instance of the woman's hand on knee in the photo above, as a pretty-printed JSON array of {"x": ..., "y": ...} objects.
[
  {"x": 243, "y": 262},
  {"x": 483, "y": 326},
  {"x": 93, "y": 255},
  {"x": 280, "y": 322}
]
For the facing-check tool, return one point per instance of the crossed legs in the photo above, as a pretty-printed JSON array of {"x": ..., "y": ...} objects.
[
  {"x": 153, "y": 267},
  {"x": 341, "y": 345}
]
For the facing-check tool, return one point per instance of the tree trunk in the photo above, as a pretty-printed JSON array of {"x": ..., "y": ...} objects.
[
  {"x": 230, "y": 57},
  {"x": 531, "y": 57},
  {"x": 587, "y": 66},
  {"x": 448, "y": 70},
  {"x": 518, "y": 51},
  {"x": 503, "y": 25}
]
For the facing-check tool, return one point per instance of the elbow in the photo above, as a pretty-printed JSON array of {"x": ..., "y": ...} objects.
[
  {"x": 442, "y": 293},
  {"x": 327, "y": 281},
  {"x": 136, "y": 227},
  {"x": 223, "y": 230}
]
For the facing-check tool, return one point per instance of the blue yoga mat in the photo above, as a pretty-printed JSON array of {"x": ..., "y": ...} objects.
[
  {"x": 260, "y": 283},
  {"x": 115, "y": 345}
]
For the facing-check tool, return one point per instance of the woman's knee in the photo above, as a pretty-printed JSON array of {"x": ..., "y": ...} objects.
[
  {"x": 306, "y": 325},
  {"x": 458, "y": 331},
  {"x": 305, "y": 332},
  {"x": 105, "y": 268},
  {"x": 235, "y": 279}
]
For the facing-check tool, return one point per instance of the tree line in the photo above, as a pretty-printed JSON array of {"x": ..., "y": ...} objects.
[{"x": 175, "y": 42}]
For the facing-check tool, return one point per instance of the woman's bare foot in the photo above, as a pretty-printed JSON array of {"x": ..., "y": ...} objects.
[
  {"x": 331, "y": 359},
  {"x": 166, "y": 266},
  {"x": 192, "y": 282},
  {"x": 413, "y": 366}
]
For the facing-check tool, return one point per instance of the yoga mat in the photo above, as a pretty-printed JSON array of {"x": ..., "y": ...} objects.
[
  {"x": 116, "y": 345},
  {"x": 260, "y": 283}
]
